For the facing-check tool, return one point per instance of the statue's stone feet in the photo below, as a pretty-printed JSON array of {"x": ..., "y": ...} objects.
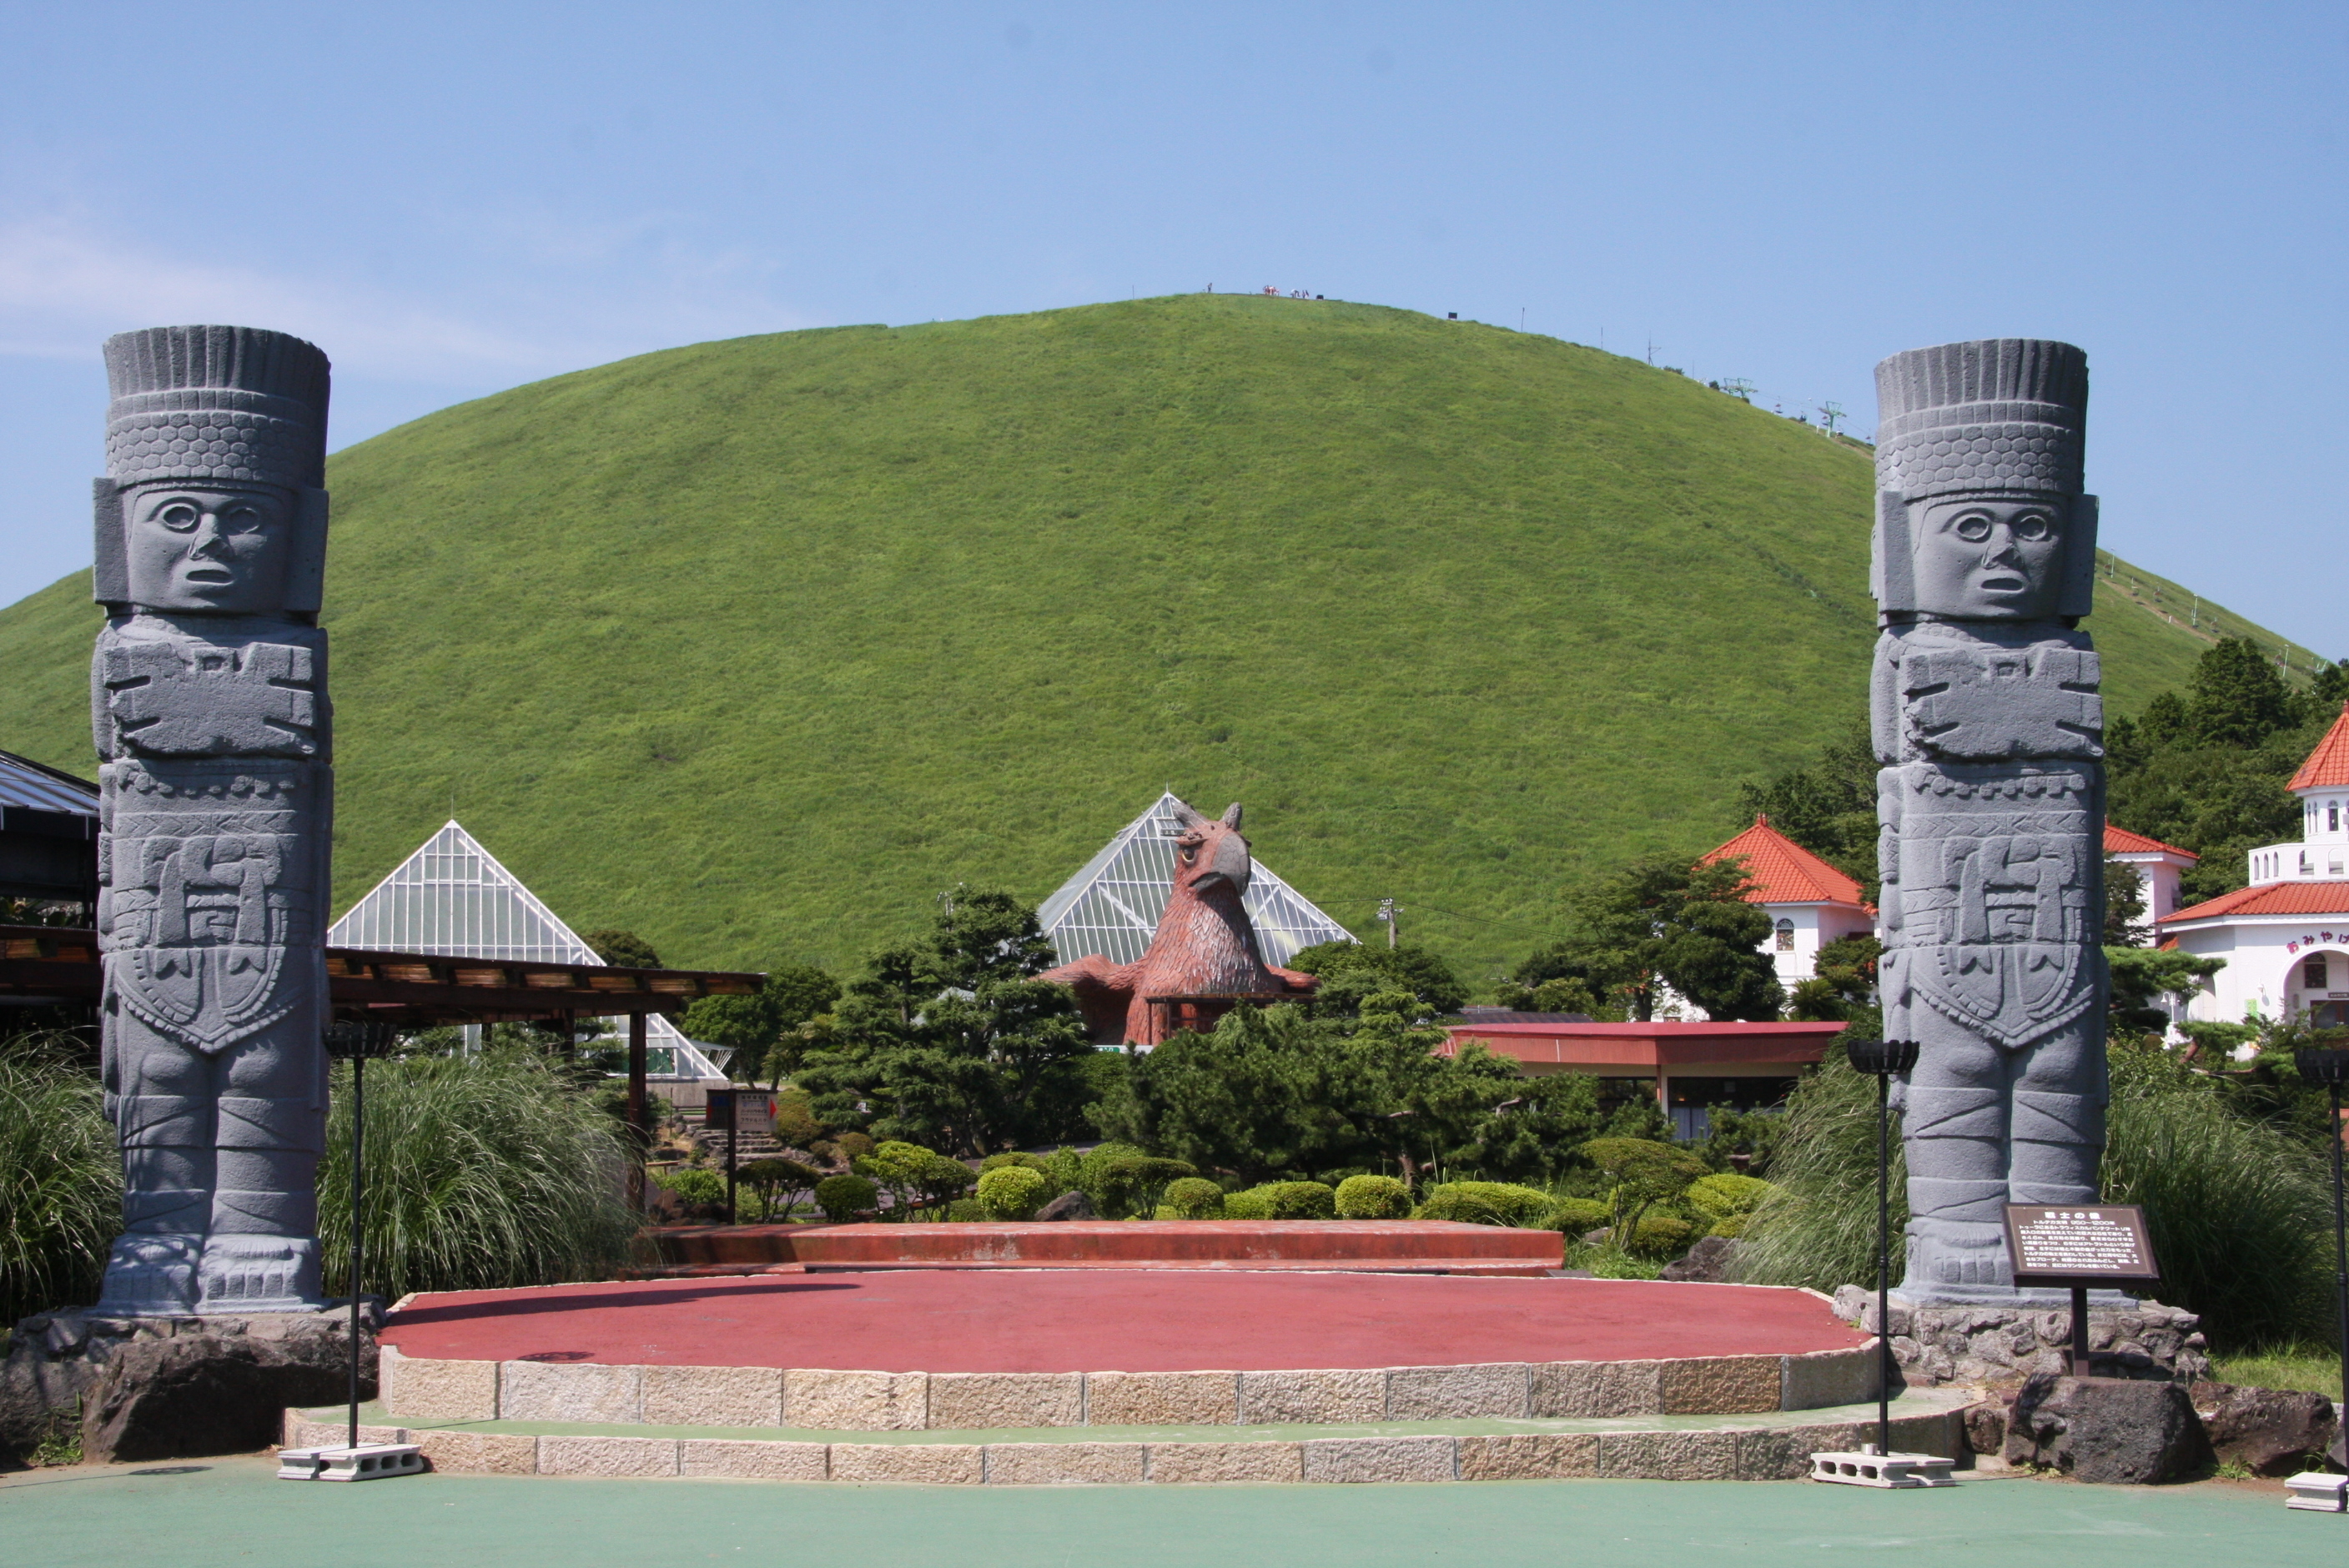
[
  {"x": 1956, "y": 1259},
  {"x": 258, "y": 1273},
  {"x": 150, "y": 1276}
]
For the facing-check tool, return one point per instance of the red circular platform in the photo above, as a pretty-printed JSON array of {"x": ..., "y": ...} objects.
[{"x": 1122, "y": 1320}]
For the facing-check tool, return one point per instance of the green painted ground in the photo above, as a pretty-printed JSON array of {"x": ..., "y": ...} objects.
[
  {"x": 754, "y": 646},
  {"x": 232, "y": 1511}
]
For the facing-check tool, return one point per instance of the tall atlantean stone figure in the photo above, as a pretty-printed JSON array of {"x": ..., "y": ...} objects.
[
  {"x": 208, "y": 697},
  {"x": 1992, "y": 798}
]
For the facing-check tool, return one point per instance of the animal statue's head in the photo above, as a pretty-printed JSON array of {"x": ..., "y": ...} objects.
[{"x": 1211, "y": 854}]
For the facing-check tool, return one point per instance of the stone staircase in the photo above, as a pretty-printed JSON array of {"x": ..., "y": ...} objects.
[
  {"x": 1718, "y": 1417},
  {"x": 1758, "y": 1446},
  {"x": 753, "y": 1145}
]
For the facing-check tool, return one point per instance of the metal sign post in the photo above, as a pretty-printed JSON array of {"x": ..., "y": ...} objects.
[
  {"x": 2317, "y": 1489},
  {"x": 1876, "y": 1464},
  {"x": 720, "y": 1108},
  {"x": 2082, "y": 1247},
  {"x": 356, "y": 1040}
]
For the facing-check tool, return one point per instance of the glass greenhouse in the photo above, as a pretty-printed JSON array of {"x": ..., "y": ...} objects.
[
  {"x": 452, "y": 897},
  {"x": 1111, "y": 906}
]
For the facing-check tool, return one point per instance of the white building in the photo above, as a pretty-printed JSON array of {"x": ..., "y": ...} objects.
[
  {"x": 1810, "y": 903},
  {"x": 2158, "y": 864},
  {"x": 2285, "y": 938}
]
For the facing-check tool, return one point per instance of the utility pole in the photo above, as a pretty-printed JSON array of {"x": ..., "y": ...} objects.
[
  {"x": 1651, "y": 351},
  {"x": 1388, "y": 910}
]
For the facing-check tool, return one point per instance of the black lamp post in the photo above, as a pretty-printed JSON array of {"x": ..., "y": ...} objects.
[
  {"x": 358, "y": 1039},
  {"x": 1880, "y": 1059},
  {"x": 2331, "y": 1069}
]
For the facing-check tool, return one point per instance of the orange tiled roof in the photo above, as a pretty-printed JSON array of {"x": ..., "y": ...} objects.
[
  {"x": 2271, "y": 898},
  {"x": 1783, "y": 871},
  {"x": 2121, "y": 842},
  {"x": 2327, "y": 767}
]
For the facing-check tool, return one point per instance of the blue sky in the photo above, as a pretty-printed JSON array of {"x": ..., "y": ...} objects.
[{"x": 452, "y": 199}]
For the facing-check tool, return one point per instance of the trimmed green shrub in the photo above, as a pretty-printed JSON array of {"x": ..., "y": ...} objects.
[
  {"x": 60, "y": 1186},
  {"x": 694, "y": 1183},
  {"x": 1123, "y": 1182},
  {"x": 1283, "y": 1200},
  {"x": 1732, "y": 1226},
  {"x": 1195, "y": 1198},
  {"x": 1661, "y": 1237},
  {"x": 1372, "y": 1198},
  {"x": 1011, "y": 1192},
  {"x": 1487, "y": 1203},
  {"x": 967, "y": 1212},
  {"x": 1014, "y": 1156},
  {"x": 1719, "y": 1197},
  {"x": 916, "y": 1176},
  {"x": 778, "y": 1182},
  {"x": 1577, "y": 1216},
  {"x": 844, "y": 1198}
]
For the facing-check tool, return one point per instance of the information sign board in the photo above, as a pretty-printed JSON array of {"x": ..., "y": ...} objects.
[{"x": 2087, "y": 1244}]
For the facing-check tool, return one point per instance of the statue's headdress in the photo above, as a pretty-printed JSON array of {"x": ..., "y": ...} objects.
[
  {"x": 232, "y": 403},
  {"x": 218, "y": 405},
  {"x": 2004, "y": 413},
  {"x": 2000, "y": 414}
]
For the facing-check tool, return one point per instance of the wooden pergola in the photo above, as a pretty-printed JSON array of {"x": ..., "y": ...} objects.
[{"x": 417, "y": 990}]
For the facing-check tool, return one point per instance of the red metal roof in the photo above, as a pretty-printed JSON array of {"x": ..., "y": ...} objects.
[
  {"x": 2271, "y": 898},
  {"x": 2327, "y": 767},
  {"x": 2121, "y": 842},
  {"x": 1646, "y": 1048},
  {"x": 1783, "y": 871}
]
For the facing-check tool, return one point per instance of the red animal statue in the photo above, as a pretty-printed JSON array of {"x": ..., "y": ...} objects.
[{"x": 1202, "y": 959}]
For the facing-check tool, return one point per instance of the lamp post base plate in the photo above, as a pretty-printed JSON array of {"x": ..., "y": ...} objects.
[{"x": 1892, "y": 1472}]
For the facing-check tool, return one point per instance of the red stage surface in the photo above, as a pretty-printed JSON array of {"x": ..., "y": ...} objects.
[
  {"x": 1427, "y": 1245},
  {"x": 1130, "y": 1321}
]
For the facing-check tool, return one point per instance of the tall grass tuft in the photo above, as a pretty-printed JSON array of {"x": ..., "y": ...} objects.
[
  {"x": 482, "y": 1172},
  {"x": 2238, "y": 1213},
  {"x": 1818, "y": 1228},
  {"x": 60, "y": 1183}
]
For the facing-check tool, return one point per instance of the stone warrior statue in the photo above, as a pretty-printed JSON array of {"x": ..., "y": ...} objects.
[
  {"x": 1987, "y": 721},
  {"x": 208, "y": 695}
]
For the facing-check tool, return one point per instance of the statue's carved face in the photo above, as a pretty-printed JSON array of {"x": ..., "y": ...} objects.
[
  {"x": 1990, "y": 557},
  {"x": 208, "y": 547}
]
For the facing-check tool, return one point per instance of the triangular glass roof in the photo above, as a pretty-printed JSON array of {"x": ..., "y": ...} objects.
[
  {"x": 454, "y": 897},
  {"x": 1111, "y": 906}
]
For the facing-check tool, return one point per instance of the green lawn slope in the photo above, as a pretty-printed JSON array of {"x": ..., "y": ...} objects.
[{"x": 755, "y": 646}]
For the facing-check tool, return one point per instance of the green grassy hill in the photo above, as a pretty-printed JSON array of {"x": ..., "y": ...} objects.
[{"x": 754, "y": 646}]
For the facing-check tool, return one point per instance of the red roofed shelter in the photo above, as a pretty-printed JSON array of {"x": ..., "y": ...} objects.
[
  {"x": 1810, "y": 903},
  {"x": 1687, "y": 1067}
]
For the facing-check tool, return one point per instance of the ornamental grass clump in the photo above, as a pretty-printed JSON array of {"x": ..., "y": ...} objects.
[
  {"x": 2239, "y": 1212},
  {"x": 60, "y": 1185},
  {"x": 481, "y": 1173}
]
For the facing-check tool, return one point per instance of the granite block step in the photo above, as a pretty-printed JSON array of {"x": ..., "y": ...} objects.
[{"x": 1763, "y": 1446}]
